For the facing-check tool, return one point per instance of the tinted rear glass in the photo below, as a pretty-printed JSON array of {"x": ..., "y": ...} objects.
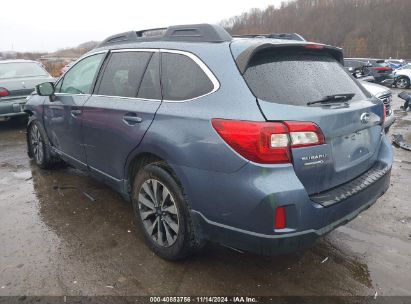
[
  {"x": 21, "y": 69},
  {"x": 182, "y": 78},
  {"x": 150, "y": 85},
  {"x": 298, "y": 77}
]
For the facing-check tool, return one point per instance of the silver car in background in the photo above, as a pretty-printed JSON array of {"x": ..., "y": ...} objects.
[
  {"x": 18, "y": 79},
  {"x": 383, "y": 93}
]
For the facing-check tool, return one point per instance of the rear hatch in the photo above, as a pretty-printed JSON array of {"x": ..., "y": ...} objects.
[
  {"x": 285, "y": 79},
  {"x": 381, "y": 68}
]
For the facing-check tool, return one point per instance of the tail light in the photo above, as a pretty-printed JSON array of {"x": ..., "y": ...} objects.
[
  {"x": 382, "y": 69},
  {"x": 4, "y": 92},
  {"x": 279, "y": 218},
  {"x": 268, "y": 142},
  {"x": 314, "y": 46}
]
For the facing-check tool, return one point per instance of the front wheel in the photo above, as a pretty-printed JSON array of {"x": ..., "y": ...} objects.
[
  {"x": 162, "y": 212},
  {"x": 402, "y": 83},
  {"x": 39, "y": 148}
]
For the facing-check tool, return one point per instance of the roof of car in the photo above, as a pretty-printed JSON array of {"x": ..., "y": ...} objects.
[
  {"x": 17, "y": 61},
  {"x": 368, "y": 59},
  {"x": 182, "y": 33},
  {"x": 199, "y": 33}
]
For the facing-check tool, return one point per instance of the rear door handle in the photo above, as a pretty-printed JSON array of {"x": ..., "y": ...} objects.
[
  {"x": 132, "y": 119},
  {"x": 76, "y": 112}
]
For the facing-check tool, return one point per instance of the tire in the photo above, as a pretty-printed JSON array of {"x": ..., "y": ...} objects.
[
  {"x": 402, "y": 83},
  {"x": 39, "y": 146},
  {"x": 163, "y": 217}
]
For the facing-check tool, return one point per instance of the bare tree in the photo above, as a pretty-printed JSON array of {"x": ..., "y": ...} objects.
[{"x": 364, "y": 28}]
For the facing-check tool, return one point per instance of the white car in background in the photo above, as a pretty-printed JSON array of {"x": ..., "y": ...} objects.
[
  {"x": 384, "y": 94},
  {"x": 402, "y": 77}
]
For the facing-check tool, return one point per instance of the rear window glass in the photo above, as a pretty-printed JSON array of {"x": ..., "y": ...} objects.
[
  {"x": 296, "y": 77},
  {"x": 150, "y": 85},
  {"x": 182, "y": 78},
  {"x": 21, "y": 69}
]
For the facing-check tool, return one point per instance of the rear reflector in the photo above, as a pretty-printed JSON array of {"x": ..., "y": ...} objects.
[
  {"x": 4, "y": 92},
  {"x": 268, "y": 142},
  {"x": 279, "y": 219}
]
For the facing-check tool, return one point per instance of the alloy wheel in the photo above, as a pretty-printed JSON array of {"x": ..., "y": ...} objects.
[
  {"x": 158, "y": 212},
  {"x": 402, "y": 83},
  {"x": 36, "y": 143}
]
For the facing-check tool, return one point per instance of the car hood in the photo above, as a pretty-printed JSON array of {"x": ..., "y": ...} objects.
[
  {"x": 375, "y": 89},
  {"x": 405, "y": 72}
]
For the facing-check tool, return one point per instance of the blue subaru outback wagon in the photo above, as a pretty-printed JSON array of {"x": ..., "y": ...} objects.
[{"x": 256, "y": 143}]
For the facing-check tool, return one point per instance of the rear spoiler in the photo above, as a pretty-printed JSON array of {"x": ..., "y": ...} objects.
[
  {"x": 245, "y": 57},
  {"x": 284, "y": 36}
]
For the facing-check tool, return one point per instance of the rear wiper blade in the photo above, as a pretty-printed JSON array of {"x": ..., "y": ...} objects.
[{"x": 333, "y": 98}]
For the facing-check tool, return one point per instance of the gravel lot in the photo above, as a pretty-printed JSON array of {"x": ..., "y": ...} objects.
[{"x": 59, "y": 242}]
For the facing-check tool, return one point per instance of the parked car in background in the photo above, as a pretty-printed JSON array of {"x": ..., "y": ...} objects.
[
  {"x": 396, "y": 63},
  {"x": 258, "y": 144},
  {"x": 377, "y": 68},
  {"x": 385, "y": 95},
  {"x": 402, "y": 78},
  {"x": 405, "y": 67},
  {"x": 18, "y": 79},
  {"x": 357, "y": 68}
]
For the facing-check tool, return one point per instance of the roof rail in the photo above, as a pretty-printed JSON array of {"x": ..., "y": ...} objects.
[
  {"x": 286, "y": 36},
  {"x": 188, "y": 33}
]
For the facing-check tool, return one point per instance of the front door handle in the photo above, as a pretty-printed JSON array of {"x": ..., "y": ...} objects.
[
  {"x": 76, "y": 112},
  {"x": 132, "y": 119}
]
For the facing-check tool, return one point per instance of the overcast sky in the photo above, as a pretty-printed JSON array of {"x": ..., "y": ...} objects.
[{"x": 48, "y": 25}]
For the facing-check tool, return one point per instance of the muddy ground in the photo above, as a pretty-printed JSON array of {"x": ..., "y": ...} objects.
[{"x": 59, "y": 242}]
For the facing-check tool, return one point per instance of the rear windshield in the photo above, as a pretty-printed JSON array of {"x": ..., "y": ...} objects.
[
  {"x": 298, "y": 77},
  {"x": 21, "y": 69}
]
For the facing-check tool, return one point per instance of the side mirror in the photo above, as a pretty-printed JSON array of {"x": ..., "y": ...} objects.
[{"x": 45, "y": 89}]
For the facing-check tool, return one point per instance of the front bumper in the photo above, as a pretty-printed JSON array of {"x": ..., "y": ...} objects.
[
  {"x": 389, "y": 120},
  {"x": 12, "y": 107}
]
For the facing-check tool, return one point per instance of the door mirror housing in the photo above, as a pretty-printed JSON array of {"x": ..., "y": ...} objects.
[{"x": 45, "y": 89}]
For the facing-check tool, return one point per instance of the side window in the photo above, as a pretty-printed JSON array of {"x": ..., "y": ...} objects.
[
  {"x": 79, "y": 79},
  {"x": 182, "y": 78},
  {"x": 150, "y": 85},
  {"x": 123, "y": 74}
]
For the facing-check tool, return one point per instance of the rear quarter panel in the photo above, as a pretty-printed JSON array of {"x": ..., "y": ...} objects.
[{"x": 181, "y": 132}]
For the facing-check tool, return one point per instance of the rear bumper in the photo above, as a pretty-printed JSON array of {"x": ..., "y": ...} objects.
[
  {"x": 237, "y": 209},
  {"x": 12, "y": 107},
  {"x": 290, "y": 242},
  {"x": 384, "y": 79}
]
